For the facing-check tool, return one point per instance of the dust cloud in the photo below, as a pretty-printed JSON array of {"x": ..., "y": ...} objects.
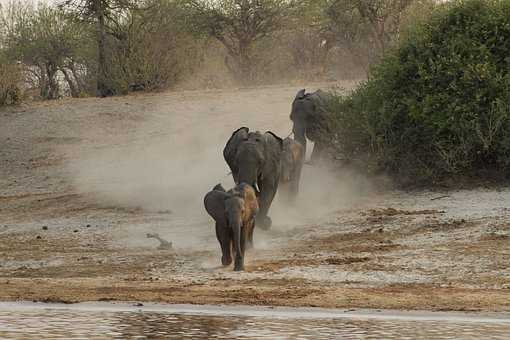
[
  {"x": 166, "y": 175},
  {"x": 174, "y": 157}
]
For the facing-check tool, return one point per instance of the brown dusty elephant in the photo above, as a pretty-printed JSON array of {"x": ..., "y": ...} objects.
[
  {"x": 293, "y": 157},
  {"x": 254, "y": 158},
  {"x": 310, "y": 119},
  {"x": 234, "y": 212}
]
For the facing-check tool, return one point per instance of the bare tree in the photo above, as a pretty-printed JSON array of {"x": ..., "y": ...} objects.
[
  {"x": 384, "y": 17},
  {"x": 366, "y": 27},
  {"x": 238, "y": 25},
  {"x": 44, "y": 41},
  {"x": 106, "y": 15}
]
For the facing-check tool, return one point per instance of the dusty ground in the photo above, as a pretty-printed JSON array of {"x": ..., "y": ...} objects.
[{"x": 83, "y": 181}]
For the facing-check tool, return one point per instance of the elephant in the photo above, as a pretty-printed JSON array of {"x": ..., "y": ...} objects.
[
  {"x": 254, "y": 158},
  {"x": 310, "y": 117},
  {"x": 293, "y": 157},
  {"x": 234, "y": 213}
]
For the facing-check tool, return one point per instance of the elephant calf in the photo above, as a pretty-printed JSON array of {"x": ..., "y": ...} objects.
[
  {"x": 234, "y": 212},
  {"x": 293, "y": 157}
]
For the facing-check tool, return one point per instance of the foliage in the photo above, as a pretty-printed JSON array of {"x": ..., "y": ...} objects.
[
  {"x": 45, "y": 42},
  {"x": 110, "y": 47},
  {"x": 10, "y": 81},
  {"x": 438, "y": 104},
  {"x": 238, "y": 25},
  {"x": 152, "y": 49}
]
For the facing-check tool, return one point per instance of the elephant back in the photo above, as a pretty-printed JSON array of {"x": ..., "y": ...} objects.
[{"x": 232, "y": 146}]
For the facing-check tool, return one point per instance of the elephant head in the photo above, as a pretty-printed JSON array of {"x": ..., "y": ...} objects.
[
  {"x": 303, "y": 108},
  {"x": 234, "y": 212},
  {"x": 309, "y": 116},
  {"x": 292, "y": 159},
  {"x": 254, "y": 158},
  {"x": 251, "y": 154}
]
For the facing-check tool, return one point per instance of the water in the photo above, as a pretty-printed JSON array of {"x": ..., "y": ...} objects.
[{"x": 131, "y": 323}]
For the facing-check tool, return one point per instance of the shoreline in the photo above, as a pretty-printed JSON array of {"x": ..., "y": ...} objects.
[{"x": 264, "y": 311}]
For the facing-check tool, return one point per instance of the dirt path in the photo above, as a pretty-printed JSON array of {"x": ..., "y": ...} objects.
[{"x": 83, "y": 181}]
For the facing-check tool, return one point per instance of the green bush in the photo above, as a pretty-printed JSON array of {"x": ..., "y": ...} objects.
[{"x": 438, "y": 105}]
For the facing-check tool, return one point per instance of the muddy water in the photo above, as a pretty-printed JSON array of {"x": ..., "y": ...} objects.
[{"x": 29, "y": 322}]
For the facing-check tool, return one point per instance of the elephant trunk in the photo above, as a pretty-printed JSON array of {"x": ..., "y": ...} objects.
[
  {"x": 299, "y": 131},
  {"x": 248, "y": 174},
  {"x": 239, "y": 260}
]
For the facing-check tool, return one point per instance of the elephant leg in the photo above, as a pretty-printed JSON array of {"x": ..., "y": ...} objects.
[
  {"x": 299, "y": 131},
  {"x": 267, "y": 193},
  {"x": 317, "y": 152},
  {"x": 224, "y": 238},
  {"x": 294, "y": 184},
  {"x": 239, "y": 246},
  {"x": 251, "y": 227},
  {"x": 294, "y": 189}
]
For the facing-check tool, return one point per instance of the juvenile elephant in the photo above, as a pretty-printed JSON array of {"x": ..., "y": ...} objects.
[
  {"x": 293, "y": 157},
  {"x": 234, "y": 212},
  {"x": 310, "y": 117},
  {"x": 254, "y": 158}
]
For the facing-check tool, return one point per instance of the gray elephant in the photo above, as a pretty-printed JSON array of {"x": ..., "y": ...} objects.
[
  {"x": 293, "y": 157},
  {"x": 310, "y": 117},
  {"x": 234, "y": 212},
  {"x": 254, "y": 158}
]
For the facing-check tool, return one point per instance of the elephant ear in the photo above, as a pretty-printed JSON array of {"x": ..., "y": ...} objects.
[
  {"x": 214, "y": 203},
  {"x": 230, "y": 150},
  {"x": 219, "y": 187},
  {"x": 300, "y": 94},
  {"x": 274, "y": 144},
  {"x": 270, "y": 136}
]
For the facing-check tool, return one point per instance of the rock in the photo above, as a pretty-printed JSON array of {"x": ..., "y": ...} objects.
[
  {"x": 38, "y": 237},
  {"x": 45, "y": 227},
  {"x": 88, "y": 225},
  {"x": 75, "y": 230}
]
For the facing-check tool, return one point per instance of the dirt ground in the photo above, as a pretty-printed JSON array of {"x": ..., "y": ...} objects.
[{"x": 83, "y": 181}]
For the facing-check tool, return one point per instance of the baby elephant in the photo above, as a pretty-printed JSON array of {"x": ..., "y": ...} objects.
[
  {"x": 234, "y": 212},
  {"x": 293, "y": 157}
]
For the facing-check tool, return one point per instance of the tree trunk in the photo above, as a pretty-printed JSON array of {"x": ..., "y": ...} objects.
[
  {"x": 53, "y": 87},
  {"x": 245, "y": 74},
  {"x": 72, "y": 86},
  {"x": 103, "y": 90},
  {"x": 79, "y": 82},
  {"x": 43, "y": 83}
]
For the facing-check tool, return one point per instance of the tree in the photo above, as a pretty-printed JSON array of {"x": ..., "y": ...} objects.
[
  {"x": 373, "y": 25},
  {"x": 306, "y": 39},
  {"x": 238, "y": 25},
  {"x": 106, "y": 15},
  {"x": 45, "y": 42}
]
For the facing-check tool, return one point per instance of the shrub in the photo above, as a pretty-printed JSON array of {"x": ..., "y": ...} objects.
[
  {"x": 438, "y": 104},
  {"x": 10, "y": 80}
]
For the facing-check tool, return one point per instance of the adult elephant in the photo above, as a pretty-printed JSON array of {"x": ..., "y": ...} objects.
[
  {"x": 254, "y": 158},
  {"x": 310, "y": 117}
]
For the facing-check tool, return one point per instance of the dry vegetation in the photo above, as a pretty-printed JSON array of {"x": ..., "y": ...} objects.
[{"x": 109, "y": 47}]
